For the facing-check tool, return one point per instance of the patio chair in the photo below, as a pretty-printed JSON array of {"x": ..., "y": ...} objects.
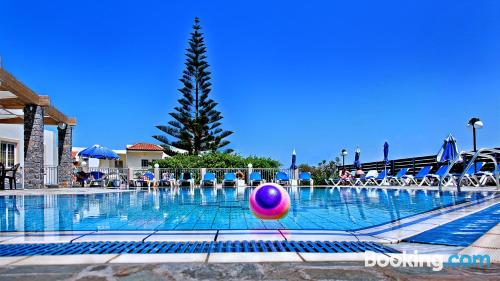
[
  {"x": 398, "y": 178},
  {"x": 97, "y": 179},
  {"x": 12, "y": 176},
  {"x": 409, "y": 179},
  {"x": 255, "y": 178},
  {"x": 229, "y": 179},
  {"x": 306, "y": 177},
  {"x": 209, "y": 179},
  {"x": 186, "y": 178},
  {"x": 281, "y": 178},
  {"x": 429, "y": 179},
  {"x": 379, "y": 180}
]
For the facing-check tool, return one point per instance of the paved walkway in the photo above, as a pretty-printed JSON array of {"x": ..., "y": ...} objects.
[{"x": 252, "y": 271}]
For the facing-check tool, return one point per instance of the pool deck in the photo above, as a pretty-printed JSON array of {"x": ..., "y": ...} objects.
[{"x": 391, "y": 233}]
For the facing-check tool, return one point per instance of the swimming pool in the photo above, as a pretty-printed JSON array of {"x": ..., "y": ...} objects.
[{"x": 227, "y": 208}]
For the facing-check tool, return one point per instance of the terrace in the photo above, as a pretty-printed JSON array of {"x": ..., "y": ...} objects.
[{"x": 21, "y": 105}]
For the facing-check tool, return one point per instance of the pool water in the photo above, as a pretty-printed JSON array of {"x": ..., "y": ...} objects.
[{"x": 185, "y": 209}]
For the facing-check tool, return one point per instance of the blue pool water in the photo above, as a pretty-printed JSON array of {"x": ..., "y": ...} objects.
[{"x": 321, "y": 208}]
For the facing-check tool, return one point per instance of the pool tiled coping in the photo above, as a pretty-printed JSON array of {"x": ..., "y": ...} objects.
[{"x": 389, "y": 233}]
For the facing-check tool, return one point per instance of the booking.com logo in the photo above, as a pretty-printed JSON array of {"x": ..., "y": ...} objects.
[{"x": 436, "y": 262}]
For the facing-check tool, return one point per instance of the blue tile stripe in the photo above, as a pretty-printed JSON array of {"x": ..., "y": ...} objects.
[
  {"x": 252, "y": 246},
  {"x": 463, "y": 231}
]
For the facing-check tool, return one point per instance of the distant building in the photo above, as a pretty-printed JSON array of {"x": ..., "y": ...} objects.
[{"x": 135, "y": 156}]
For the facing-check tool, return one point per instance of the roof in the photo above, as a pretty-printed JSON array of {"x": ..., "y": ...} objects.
[
  {"x": 145, "y": 147},
  {"x": 14, "y": 96}
]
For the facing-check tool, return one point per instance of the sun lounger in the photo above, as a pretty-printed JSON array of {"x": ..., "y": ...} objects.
[
  {"x": 419, "y": 177},
  {"x": 362, "y": 180},
  {"x": 429, "y": 179},
  {"x": 255, "y": 178},
  {"x": 468, "y": 178},
  {"x": 186, "y": 178},
  {"x": 306, "y": 177},
  {"x": 483, "y": 178},
  {"x": 282, "y": 178},
  {"x": 97, "y": 179},
  {"x": 398, "y": 178},
  {"x": 229, "y": 179},
  {"x": 209, "y": 179},
  {"x": 379, "y": 180}
]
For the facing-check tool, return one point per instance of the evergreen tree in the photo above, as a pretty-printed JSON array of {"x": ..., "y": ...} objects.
[{"x": 196, "y": 123}]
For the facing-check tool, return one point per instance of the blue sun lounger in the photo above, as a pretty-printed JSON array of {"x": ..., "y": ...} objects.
[
  {"x": 306, "y": 177},
  {"x": 229, "y": 179},
  {"x": 424, "y": 171},
  {"x": 255, "y": 178},
  {"x": 282, "y": 178},
  {"x": 398, "y": 178},
  {"x": 429, "y": 179},
  {"x": 469, "y": 176},
  {"x": 378, "y": 180},
  {"x": 208, "y": 179},
  {"x": 482, "y": 178},
  {"x": 97, "y": 178}
]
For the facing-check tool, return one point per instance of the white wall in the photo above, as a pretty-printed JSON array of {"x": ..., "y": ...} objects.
[
  {"x": 14, "y": 133},
  {"x": 134, "y": 157}
]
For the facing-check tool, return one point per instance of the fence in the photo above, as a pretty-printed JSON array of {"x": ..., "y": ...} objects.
[
  {"x": 121, "y": 177},
  {"x": 415, "y": 164},
  {"x": 50, "y": 175},
  {"x": 267, "y": 173}
]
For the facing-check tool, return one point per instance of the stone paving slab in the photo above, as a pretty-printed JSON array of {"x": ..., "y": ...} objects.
[{"x": 236, "y": 271}]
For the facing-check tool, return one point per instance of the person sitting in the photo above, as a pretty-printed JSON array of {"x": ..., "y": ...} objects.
[
  {"x": 345, "y": 176},
  {"x": 359, "y": 173}
]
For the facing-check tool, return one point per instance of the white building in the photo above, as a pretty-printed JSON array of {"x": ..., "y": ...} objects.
[
  {"x": 135, "y": 156},
  {"x": 12, "y": 145}
]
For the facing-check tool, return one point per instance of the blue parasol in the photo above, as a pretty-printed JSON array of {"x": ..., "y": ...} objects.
[
  {"x": 357, "y": 163},
  {"x": 386, "y": 153},
  {"x": 99, "y": 152},
  {"x": 449, "y": 150},
  {"x": 294, "y": 160}
]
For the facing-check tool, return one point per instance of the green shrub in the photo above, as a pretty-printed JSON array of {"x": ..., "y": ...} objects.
[
  {"x": 324, "y": 170},
  {"x": 216, "y": 160}
]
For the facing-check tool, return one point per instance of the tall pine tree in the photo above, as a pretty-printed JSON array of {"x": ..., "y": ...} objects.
[{"x": 196, "y": 123}]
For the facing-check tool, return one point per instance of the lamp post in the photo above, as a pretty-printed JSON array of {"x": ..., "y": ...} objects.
[
  {"x": 475, "y": 123},
  {"x": 343, "y": 153}
]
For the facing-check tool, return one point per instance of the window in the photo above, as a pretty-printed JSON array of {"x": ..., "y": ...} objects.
[
  {"x": 144, "y": 163},
  {"x": 7, "y": 153},
  {"x": 118, "y": 163}
]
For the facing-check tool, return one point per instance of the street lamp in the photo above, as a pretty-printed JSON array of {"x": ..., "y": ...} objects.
[
  {"x": 343, "y": 153},
  {"x": 475, "y": 123}
]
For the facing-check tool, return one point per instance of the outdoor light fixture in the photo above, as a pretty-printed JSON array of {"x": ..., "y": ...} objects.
[
  {"x": 343, "y": 153},
  {"x": 62, "y": 126},
  {"x": 475, "y": 123},
  {"x": 358, "y": 150}
]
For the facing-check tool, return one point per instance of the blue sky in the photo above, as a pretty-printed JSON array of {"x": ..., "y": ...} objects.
[{"x": 317, "y": 76}]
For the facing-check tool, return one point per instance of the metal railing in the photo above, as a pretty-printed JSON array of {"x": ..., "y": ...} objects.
[
  {"x": 50, "y": 175},
  {"x": 122, "y": 177}
]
